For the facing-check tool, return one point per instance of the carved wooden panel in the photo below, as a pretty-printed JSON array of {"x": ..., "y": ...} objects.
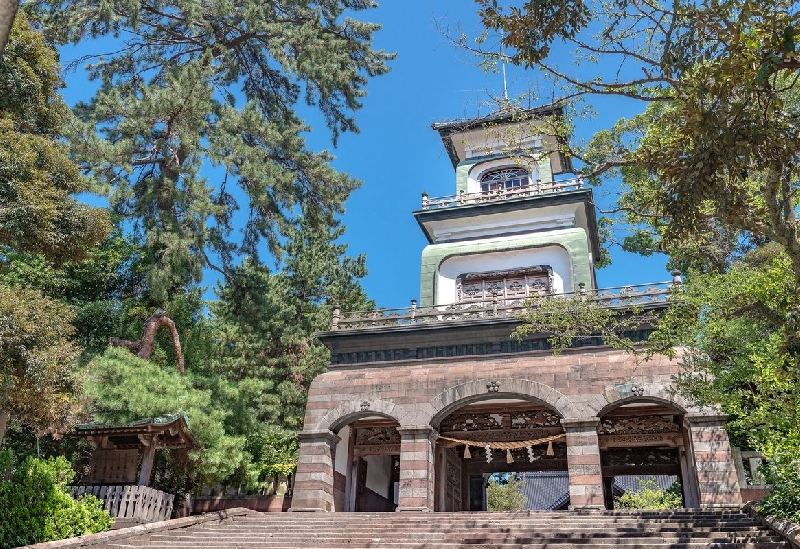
[
  {"x": 453, "y": 480},
  {"x": 483, "y": 421},
  {"x": 377, "y": 441},
  {"x": 641, "y": 440},
  {"x": 637, "y": 425},
  {"x": 503, "y": 285}
]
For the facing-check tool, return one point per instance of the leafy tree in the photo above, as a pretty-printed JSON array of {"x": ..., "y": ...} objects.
[
  {"x": 37, "y": 383},
  {"x": 37, "y": 506},
  {"x": 38, "y": 215},
  {"x": 714, "y": 145},
  {"x": 651, "y": 496},
  {"x": 783, "y": 479},
  {"x": 505, "y": 493},
  {"x": 37, "y": 180},
  {"x": 197, "y": 85}
]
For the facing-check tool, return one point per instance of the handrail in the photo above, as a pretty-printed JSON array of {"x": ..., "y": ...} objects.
[
  {"x": 615, "y": 296},
  {"x": 533, "y": 189}
]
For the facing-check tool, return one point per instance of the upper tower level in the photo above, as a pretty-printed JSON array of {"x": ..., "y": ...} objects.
[{"x": 511, "y": 229}]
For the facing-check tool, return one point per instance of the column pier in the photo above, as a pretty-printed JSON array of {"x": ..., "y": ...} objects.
[
  {"x": 417, "y": 458},
  {"x": 583, "y": 463},
  {"x": 313, "y": 485},
  {"x": 717, "y": 481}
]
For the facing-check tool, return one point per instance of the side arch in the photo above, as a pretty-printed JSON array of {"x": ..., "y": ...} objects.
[
  {"x": 651, "y": 392},
  {"x": 351, "y": 410},
  {"x": 475, "y": 391}
]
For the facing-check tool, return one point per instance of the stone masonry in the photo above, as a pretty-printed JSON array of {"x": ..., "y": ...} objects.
[{"x": 580, "y": 385}]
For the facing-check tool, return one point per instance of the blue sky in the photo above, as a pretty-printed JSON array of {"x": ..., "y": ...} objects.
[{"x": 397, "y": 155}]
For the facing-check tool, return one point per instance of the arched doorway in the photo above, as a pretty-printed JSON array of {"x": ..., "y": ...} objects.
[
  {"x": 644, "y": 443},
  {"x": 367, "y": 465},
  {"x": 491, "y": 429}
]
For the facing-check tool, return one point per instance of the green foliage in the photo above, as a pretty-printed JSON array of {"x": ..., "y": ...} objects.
[
  {"x": 221, "y": 89},
  {"x": 125, "y": 388},
  {"x": 37, "y": 383},
  {"x": 651, "y": 496},
  {"x": 709, "y": 157},
  {"x": 273, "y": 454},
  {"x": 505, "y": 493},
  {"x": 266, "y": 324},
  {"x": 37, "y": 179},
  {"x": 581, "y": 319},
  {"x": 783, "y": 477},
  {"x": 741, "y": 349},
  {"x": 37, "y": 506}
]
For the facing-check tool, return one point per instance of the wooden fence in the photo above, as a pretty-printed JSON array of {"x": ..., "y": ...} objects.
[{"x": 136, "y": 502}]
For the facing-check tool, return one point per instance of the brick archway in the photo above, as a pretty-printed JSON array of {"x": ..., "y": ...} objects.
[
  {"x": 656, "y": 393},
  {"x": 486, "y": 389},
  {"x": 351, "y": 410}
]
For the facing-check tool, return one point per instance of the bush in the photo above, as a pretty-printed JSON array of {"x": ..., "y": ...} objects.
[
  {"x": 651, "y": 496},
  {"x": 504, "y": 493},
  {"x": 37, "y": 506},
  {"x": 783, "y": 477}
]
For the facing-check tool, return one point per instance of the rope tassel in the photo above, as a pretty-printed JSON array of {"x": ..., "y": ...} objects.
[
  {"x": 467, "y": 455},
  {"x": 550, "y": 451},
  {"x": 509, "y": 457}
]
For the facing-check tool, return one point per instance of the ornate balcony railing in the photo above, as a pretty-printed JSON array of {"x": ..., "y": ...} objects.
[
  {"x": 534, "y": 189},
  {"x": 617, "y": 296}
]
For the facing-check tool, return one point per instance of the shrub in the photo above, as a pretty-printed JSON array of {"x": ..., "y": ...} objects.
[
  {"x": 504, "y": 493},
  {"x": 37, "y": 506},
  {"x": 651, "y": 496},
  {"x": 783, "y": 476}
]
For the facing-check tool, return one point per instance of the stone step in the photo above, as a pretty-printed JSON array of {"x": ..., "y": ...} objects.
[
  {"x": 390, "y": 543},
  {"x": 721, "y": 529},
  {"x": 467, "y": 539}
]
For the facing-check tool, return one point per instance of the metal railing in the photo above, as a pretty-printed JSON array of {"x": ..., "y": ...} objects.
[
  {"x": 499, "y": 308},
  {"x": 533, "y": 189}
]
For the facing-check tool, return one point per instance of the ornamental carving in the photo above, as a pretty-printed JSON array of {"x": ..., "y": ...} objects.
[
  {"x": 484, "y": 421},
  {"x": 632, "y": 441},
  {"x": 504, "y": 285},
  {"x": 637, "y": 425},
  {"x": 535, "y": 418},
  {"x": 377, "y": 436}
]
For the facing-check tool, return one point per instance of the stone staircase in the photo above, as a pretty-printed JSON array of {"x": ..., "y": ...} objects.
[{"x": 685, "y": 529}]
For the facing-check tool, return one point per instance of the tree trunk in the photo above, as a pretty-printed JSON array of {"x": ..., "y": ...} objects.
[
  {"x": 8, "y": 10},
  {"x": 144, "y": 348},
  {"x": 151, "y": 325},
  {"x": 3, "y": 423}
]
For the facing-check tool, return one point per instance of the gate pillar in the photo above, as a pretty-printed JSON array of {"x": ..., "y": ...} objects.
[
  {"x": 717, "y": 481},
  {"x": 583, "y": 463},
  {"x": 313, "y": 482},
  {"x": 417, "y": 455}
]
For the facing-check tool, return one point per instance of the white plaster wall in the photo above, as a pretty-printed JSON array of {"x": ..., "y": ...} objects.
[
  {"x": 340, "y": 465},
  {"x": 379, "y": 474},
  {"x": 451, "y": 268},
  {"x": 480, "y": 169}
]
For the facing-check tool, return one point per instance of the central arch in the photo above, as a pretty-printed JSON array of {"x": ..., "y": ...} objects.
[
  {"x": 492, "y": 388},
  {"x": 498, "y": 415}
]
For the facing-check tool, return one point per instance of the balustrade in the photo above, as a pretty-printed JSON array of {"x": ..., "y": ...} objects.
[
  {"x": 501, "y": 193},
  {"x": 498, "y": 308}
]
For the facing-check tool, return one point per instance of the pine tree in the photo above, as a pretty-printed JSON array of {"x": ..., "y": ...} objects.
[
  {"x": 267, "y": 321},
  {"x": 199, "y": 85}
]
